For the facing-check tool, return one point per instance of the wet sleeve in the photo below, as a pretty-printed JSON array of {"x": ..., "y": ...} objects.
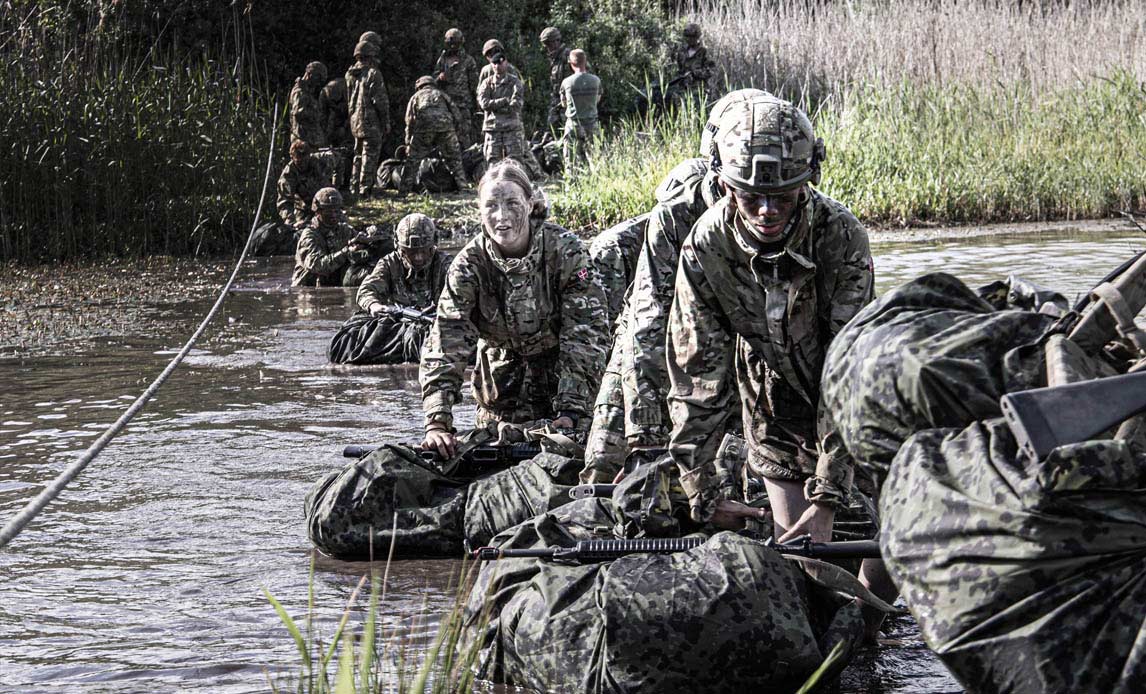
[
  {"x": 702, "y": 383},
  {"x": 645, "y": 374},
  {"x": 452, "y": 340},
  {"x": 315, "y": 259},
  {"x": 584, "y": 331},
  {"x": 375, "y": 289}
]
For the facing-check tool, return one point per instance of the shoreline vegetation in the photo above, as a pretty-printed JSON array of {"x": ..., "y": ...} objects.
[{"x": 933, "y": 113}]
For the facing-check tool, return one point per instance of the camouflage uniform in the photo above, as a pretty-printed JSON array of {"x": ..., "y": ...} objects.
[
  {"x": 559, "y": 71},
  {"x": 699, "y": 68},
  {"x": 579, "y": 94},
  {"x": 306, "y": 115},
  {"x": 537, "y": 324},
  {"x": 488, "y": 70},
  {"x": 501, "y": 98},
  {"x": 460, "y": 85},
  {"x": 332, "y": 101},
  {"x": 369, "y": 121},
  {"x": 394, "y": 283},
  {"x": 614, "y": 254},
  {"x": 431, "y": 123},
  {"x": 296, "y": 188},
  {"x": 763, "y": 321},
  {"x": 322, "y": 255}
]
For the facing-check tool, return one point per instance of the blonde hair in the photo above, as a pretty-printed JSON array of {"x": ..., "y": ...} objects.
[
  {"x": 512, "y": 172},
  {"x": 578, "y": 57}
]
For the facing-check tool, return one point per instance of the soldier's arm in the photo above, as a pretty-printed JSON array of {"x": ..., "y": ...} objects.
[
  {"x": 375, "y": 289},
  {"x": 381, "y": 102},
  {"x": 314, "y": 259},
  {"x": 645, "y": 372},
  {"x": 517, "y": 100},
  {"x": 296, "y": 108},
  {"x": 449, "y": 345},
  {"x": 286, "y": 199},
  {"x": 700, "y": 365},
  {"x": 584, "y": 331},
  {"x": 486, "y": 100}
]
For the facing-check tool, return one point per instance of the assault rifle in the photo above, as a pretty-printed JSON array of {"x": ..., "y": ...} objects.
[
  {"x": 585, "y": 551},
  {"x": 409, "y": 313},
  {"x": 1043, "y": 419}
]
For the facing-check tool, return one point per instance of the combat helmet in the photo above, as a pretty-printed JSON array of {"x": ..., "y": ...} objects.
[
  {"x": 691, "y": 30},
  {"x": 423, "y": 81},
  {"x": 327, "y": 198},
  {"x": 722, "y": 105},
  {"x": 371, "y": 37},
  {"x": 318, "y": 71},
  {"x": 455, "y": 38},
  {"x": 416, "y": 231},
  {"x": 491, "y": 46},
  {"x": 766, "y": 145},
  {"x": 366, "y": 49},
  {"x": 550, "y": 34}
]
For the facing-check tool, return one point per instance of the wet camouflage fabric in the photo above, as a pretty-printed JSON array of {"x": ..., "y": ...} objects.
[
  {"x": 460, "y": 85},
  {"x": 296, "y": 188},
  {"x": 761, "y": 322},
  {"x": 682, "y": 197},
  {"x": 431, "y": 124},
  {"x": 537, "y": 323},
  {"x": 559, "y": 69},
  {"x": 369, "y": 121},
  {"x": 306, "y": 115},
  {"x": 332, "y": 102},
  {"x": 614, "y": 254},
  {"x": 729, "y": 609},
  {"x": 439, "y": 506},
  {"x": 384, "y": 339},
  {"x": 1024, "y": 577},
  {"x": 394, "y": 282},
  {"x": 930, "y": 353},
  {"x": 698, "y": 66},
  {"x": 322, "y": 256}
]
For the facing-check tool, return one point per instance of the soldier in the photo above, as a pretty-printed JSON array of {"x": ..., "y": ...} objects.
[
  {"x": 327, "y": 246},
  {"x": 501, "y": 97},
  {"x": 580, "y": 93},
  {"x": 302, "y": 177},
  {"x": 694, "y": 69},
  {"x": 369, "y": 115},
  {"x": 336, "y": 126},
  {"x": 431, "y": 122},
  {"x": 457, "y": 75},
  {"x": 559, "y": 69},
  {"x": 524, "y": 295},
  {"x": 767, "y": 277},
  {"x": 413, "y": 275},
  {"x": 306, "y": 117},
  {"x": 489, "y": 50},
  {"x": 614, "y": 253}
]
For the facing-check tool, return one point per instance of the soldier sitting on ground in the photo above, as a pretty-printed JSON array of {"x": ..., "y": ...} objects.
[
  {"x": 524, "y": 296},
  {"x": 431, "y": 123},
  {"x": 306, "y": 116},
  {"x": 302, "y": 177},
  {"x": 457, "y": 75},
  {"x": 327, "y": 247}
]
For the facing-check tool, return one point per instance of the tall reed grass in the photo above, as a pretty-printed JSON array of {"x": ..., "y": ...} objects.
[{"x": 117, "y": 149}]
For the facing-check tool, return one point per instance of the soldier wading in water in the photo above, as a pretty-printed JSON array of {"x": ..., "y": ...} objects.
[{"x": 524, "y": 296}]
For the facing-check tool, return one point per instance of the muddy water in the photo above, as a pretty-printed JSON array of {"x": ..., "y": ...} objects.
[{"x": 147, "y": 575}]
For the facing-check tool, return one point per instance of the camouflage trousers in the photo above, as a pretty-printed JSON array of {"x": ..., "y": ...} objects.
[
  {"x": 606, "y": 448},
  {"x": 367, "y": 155},
  {"x": 421, "y": 145},
  {"x": 510, "y": 144},
  {"x": 575, "y": 143}
]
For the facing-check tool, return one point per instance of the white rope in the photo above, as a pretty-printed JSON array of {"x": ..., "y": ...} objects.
[{"x": 33, "y": 508}]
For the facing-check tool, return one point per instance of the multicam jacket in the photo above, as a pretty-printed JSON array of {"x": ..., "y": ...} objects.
[
  {"x": 501, "y": 98},
  {"x": 322, "y": 256},
  {"x": 332, "y": 101},
  {"x": 614, "y": 254},
  {"x": 682, "y": 198},
  {"x": 394, "y": 282},
  {"x": 368, "y": 103},
  {"x": 306, "y": 116},
  {"x": 559, "y": 69},
  {"x": 762, "y": 320},
  {"x": 296, "y": 188},
  {"x": 431, "y": 111},
  {"x": 536, "y": 319},
  {"x": 699, "y": 64},
  {"x": 461, "y": 78}
]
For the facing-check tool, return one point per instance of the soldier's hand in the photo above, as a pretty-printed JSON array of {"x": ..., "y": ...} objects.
[
  {"x": 377, "y": 309},
  {"x": 442, "y": 76},
  {"x": 816, "y": 521},
  {"x": 563, "y": 423},
  {"x": 731, "y": 515},
  {"x": 441, "y": 441}
]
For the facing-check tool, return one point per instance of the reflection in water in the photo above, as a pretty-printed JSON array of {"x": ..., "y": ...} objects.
[{"x": 147, "y": 573}]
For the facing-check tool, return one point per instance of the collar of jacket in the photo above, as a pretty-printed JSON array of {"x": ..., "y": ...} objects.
[
  {"x": 524, "y": 264},
  {"x": 797, "y": 239}
]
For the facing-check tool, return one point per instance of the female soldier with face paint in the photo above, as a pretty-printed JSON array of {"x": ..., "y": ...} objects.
[{"x": 524, "y": 295}]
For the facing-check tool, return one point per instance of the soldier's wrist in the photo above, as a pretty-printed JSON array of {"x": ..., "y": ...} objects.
[{"x": 440, "y": 421}]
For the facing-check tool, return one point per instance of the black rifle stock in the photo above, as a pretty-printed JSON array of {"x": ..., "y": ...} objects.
[
  {"x": 1043, "y": 419},
  {"x": 604, "y": 550}
]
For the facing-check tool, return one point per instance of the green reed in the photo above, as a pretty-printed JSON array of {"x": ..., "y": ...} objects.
[{"x": 107, "y": 149}]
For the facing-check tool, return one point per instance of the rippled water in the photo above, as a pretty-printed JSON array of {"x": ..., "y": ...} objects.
[{"x": 147, "y": 574}]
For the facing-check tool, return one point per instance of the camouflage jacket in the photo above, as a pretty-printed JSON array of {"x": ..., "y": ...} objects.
[
  {"x": 296, "y": 188},
  {"x": 683, "y": 196},
  {"x": 322, "y": 256},
  {"x": 367, "y": 101},
  {"x": 701, "y": 67},
  {"x": 431, "y": 111},
  {"x": 762, "y": 320},
  {"x": 461, "y": 81},
  {"x": 559, "y": 69},
  {"x": 488, "y": 70},
  {"x": 306, "y": 116},
  {"x": 546, "y": 309},
  {"x": 394, "y": 282},
  {"x": 614, "y": 254},
  {"x": 335, "y": 115},
  {"x": 501, "y": 98}
]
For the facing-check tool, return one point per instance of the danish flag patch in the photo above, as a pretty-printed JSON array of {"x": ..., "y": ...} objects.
[{"x": 583, "y": 274}]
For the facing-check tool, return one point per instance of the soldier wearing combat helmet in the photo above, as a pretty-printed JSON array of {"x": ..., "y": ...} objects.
[
  {"x": 694, "y": 68},
  {"x": 369, "y": 113},
  {"x": 456, "y": 73},
  {"x": 432, "y": 122},
  {"x": 327, "y": 246},
  {"x": 306, "y": 116},
  {"x": 489, "y": 50},
  {"x": 767, "y": 277},
  {"x": 559, "y": 69},
  {"x": 413, "y": 275}
]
